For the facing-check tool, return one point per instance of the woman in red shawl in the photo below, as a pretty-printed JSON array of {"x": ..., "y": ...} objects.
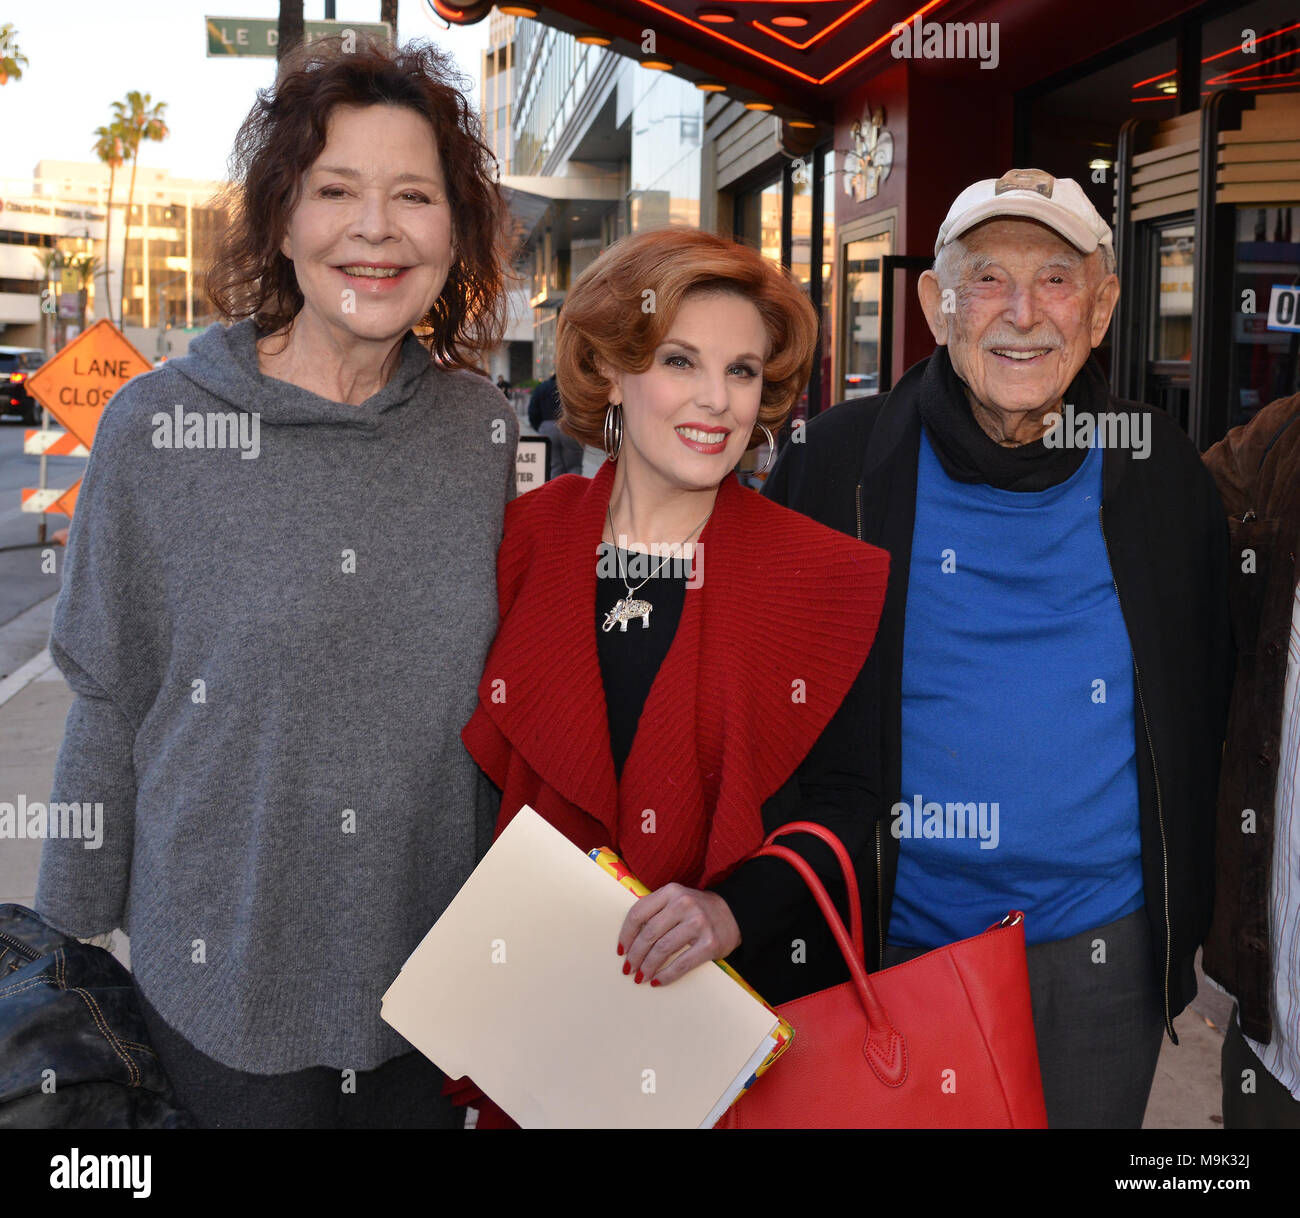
[{"x": 674, "y": 671}]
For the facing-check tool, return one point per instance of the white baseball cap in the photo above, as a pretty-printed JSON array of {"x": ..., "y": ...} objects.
[{"x": 1057, "y": 202}]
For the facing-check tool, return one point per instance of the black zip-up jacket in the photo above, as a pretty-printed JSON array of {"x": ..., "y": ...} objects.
[{"x": 1166, "y": 536}]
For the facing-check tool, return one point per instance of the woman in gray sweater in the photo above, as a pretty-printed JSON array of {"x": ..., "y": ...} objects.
[{"x": 279, "y": 595}]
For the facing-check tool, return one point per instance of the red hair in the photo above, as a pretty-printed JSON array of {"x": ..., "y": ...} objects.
[{"x": 605, "y": 320}]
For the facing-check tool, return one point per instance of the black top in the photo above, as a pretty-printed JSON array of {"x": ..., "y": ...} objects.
[
  {"x": 631, "y": 653},
  {"x": 769, "y": 901}
]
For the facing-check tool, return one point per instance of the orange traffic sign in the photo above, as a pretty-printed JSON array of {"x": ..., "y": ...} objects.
[
  {"x": 76, "y": 384},
  {"x": 66, "y": 503}
]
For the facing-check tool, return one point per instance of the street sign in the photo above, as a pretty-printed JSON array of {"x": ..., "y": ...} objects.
[
  {"x": 74, "y": 387},
  {"x": 76, "y": 384},
  {"x": 243, "y": 36}
]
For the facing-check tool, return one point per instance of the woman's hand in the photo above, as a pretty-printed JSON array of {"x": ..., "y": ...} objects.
[{"x": 673, "y": 917}]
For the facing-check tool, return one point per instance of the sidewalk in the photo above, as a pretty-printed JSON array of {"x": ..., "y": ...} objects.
[{"x": 34, "y": 703}]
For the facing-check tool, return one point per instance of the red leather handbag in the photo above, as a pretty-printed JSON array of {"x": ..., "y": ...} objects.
[{"x": 942, "y": 1041}]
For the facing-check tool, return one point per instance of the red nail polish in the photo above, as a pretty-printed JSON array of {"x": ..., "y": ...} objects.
[
  {"x": 620, "y": 949},
  {"x": 654, "y": 983},
  {"x": 627, "y": 967},
  {"x": 640, "y": 976}
]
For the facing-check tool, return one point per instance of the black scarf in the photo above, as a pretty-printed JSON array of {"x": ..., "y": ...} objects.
[{"x": 967, "y": 454}]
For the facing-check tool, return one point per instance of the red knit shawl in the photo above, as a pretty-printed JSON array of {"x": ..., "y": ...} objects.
[{"x": 765, "y": 651}]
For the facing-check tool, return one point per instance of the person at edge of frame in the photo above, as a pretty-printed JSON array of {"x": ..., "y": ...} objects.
[
  {"x": 1253, "y": 948},
  {"x": 273, "y": 650},
  {"x": 1051, "y": 673}
]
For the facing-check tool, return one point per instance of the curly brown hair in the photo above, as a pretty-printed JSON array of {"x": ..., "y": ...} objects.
[
  {"x": 605, "y": 320},
  {"x": 282, "y": 137}
]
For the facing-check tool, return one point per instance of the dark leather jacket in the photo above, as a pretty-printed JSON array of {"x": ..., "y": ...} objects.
[
  {"x": 1257, "y": 468},
  {"x": 74, "y": 1053}
]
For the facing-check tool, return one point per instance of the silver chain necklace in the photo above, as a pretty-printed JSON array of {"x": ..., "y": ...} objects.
[{"x": 627, "y": 608}]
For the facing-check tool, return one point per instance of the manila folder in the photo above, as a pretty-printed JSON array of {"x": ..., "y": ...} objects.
[{"x": 519, "y": 985}]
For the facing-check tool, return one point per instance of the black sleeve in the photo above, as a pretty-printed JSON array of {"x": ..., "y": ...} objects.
[
  {"x": 767, "y": 897},
  {"x": 535, "y": 407}
]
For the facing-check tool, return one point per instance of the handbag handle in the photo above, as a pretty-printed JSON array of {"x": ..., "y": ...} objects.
[
  {"x": 846, "y": 870},
  {"x": 885, "y": 1049}
]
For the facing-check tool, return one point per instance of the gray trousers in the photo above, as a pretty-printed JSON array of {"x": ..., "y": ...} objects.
[
  {"x": 1098, "y": 1016},
  {"x": 404, "y": 1093}
]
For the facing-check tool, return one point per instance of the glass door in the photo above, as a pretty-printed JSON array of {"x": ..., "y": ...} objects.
[
  {"x": 860, "y": 290},
  {"x": 1169, "y": 347},
  {"x": 1263, "y": 364}
]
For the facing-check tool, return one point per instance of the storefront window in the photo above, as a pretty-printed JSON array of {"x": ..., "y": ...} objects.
[
  {"x": 1073, "y": 130},
  {"x": 665, "y": 169},
  {"x": 759, "y": 219},
  {"x": 861, "y": 287},
  {"x": 830, "y": 279},
  {"x": 1171, "y": 336},
  {"x": 1265, "y": 63},
  {"x": 1265, "y": 360},
  {"x": 801, "y": 226}
]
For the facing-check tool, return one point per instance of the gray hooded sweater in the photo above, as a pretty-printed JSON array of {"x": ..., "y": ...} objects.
[{"x": 274, "y": 615}]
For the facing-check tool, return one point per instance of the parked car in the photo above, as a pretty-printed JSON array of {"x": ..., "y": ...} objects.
[
  {"x": 16, "y": 365},
  {"x": 861, "y": 385}
]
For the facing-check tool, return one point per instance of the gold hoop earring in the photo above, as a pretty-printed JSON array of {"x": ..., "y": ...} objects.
[
  {"x": 613, "y": 430},
  {"x": 771, "y": 448}
]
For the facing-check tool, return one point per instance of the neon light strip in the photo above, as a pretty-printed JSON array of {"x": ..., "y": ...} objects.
[
  {"x": 885, "y": 37},
  {"x": 776, "y": 63},
  {"x": 1232, "y": 50},
  {"x": 1237, "y": 46},
  {"x": 1239, "y": 80},
  {"x": 1249, "y": 67},
  {"x": 803, "y": 46},
  {"x": 740, "y": 46}
]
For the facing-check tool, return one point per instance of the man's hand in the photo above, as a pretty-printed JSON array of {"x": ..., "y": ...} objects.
[{"x": 671, "y": 920}]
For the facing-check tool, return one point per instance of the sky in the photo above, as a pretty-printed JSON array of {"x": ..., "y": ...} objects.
[{"x": 85, "y": 54}]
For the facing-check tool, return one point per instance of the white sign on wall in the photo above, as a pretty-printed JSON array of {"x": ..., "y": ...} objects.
[
  {"x": 1284, "y": 308},
  {"x": 532, "y": 463}
]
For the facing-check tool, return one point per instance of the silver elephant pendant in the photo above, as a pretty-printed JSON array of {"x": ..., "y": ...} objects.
[{"x": 625, "y": 611}]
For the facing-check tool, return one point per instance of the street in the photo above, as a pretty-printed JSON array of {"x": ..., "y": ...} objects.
[{"x": 22, "y": 581}]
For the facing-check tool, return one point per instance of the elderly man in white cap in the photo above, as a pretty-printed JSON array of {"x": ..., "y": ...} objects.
[{"x": 1048, "y": 687}]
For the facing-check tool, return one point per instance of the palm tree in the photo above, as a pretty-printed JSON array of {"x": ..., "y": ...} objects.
[
  {"x": 140, "y": 120},
  {"x": 85, "y": 267},
  {"x": 109, "y": 149},
  {"x": 388, "y": 12},
  {"x": 51, "y": 261},
  {"x": 12, "y": 60}
]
